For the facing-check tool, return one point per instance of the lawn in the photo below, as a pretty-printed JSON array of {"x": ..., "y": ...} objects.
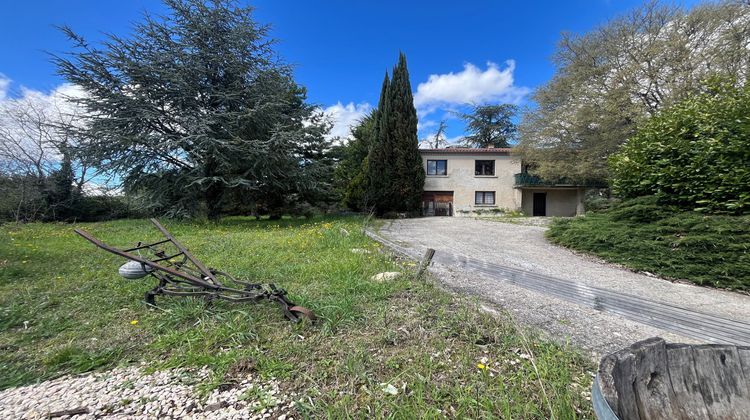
[
  {"x": 710, "y": 250},
  {"x": 64, "y": 309}
]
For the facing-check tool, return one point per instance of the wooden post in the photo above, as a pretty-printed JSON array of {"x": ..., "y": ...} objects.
[{"x": 425, "y": 262}]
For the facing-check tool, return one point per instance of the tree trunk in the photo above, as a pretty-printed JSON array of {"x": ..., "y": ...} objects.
[{"x": 213, "y": 201}]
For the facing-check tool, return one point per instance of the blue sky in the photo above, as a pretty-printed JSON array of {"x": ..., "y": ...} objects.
[{"x": 458, "y": 51}]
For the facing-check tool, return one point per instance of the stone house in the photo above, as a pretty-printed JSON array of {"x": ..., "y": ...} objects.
[{"x": 468, "y": 182}]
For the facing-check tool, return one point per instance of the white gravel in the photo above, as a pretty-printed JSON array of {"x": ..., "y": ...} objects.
[
  {"x": 524, "y": 247},
  {"x": 130, "y": 393}
]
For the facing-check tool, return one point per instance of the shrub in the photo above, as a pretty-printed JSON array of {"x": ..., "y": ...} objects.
[
  {"x": 640, "y": 210},
  {"x": 695, "y": 154},
  {"x": 712, "y": 250}
]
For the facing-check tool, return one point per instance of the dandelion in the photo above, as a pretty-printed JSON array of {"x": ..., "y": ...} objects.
[
  {"x": 481, "y": 366},
  {"x": 134, "y": 322}
]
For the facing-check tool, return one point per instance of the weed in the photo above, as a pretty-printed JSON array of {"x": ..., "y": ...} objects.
[{"x": 66, "y": 311}]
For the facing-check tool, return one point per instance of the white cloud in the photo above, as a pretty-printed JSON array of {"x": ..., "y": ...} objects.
[
  {"x": 27, "y": 121},
  {"x": 4, "y": 83},
  {"x": 425, "y": 125},
  {"x": 469, "y": 86},
  {"x": 344, "y": 117}
]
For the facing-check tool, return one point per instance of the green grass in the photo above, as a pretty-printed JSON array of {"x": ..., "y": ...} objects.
[
  {"x": 63, "y": 309},
  {"x": 707, "y": 250}
]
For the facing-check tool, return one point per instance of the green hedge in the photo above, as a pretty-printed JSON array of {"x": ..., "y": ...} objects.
[
  {"x": 695, "y": 154},
  {"x": 711, "y": 250}
]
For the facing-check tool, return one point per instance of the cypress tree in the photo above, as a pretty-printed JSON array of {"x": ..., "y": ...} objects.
[
  {"x": 395, "y": 173},
  {"x": 407, "y": 174},
  {"x": 377, "y": 166}
]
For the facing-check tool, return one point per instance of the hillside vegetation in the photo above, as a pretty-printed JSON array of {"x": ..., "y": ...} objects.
[{"x": 710, "y": 250}]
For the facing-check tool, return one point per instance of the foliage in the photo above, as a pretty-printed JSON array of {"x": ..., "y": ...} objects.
[
  {"x": 490, "y": 125},
  {"x": 380, "y": 156},
  {"x": 615, "y": 77},
  {"x": 65, "y": 310},
  {"x": 28, "y": 199},
  {"x": 695, "y": 154},
  {"x": 645, "y": 236},
  {"x": 41, "y": 176},
  {"x": 395, "y": 173},
  {"x": 195, "y": 108},
  {"x": 351, "y": 171}
]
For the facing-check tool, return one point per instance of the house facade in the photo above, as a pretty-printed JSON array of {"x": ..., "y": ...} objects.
[{"x": 470, "y": 182}]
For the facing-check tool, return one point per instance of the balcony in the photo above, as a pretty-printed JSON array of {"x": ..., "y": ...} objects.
[{"x": 527, "y": 180}]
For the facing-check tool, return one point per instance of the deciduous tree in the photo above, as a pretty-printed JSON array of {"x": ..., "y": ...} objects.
[{"x": 615, "y": 77}]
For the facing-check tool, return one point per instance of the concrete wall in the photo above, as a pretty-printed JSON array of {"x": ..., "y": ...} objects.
[
  {"x": 462, "y": 181},
  {"x": 560, "y": 202}
]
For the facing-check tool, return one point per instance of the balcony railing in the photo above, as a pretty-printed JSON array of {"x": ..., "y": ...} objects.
[{"x": 527, "y": 180}]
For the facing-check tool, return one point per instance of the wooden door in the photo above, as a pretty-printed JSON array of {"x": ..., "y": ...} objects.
[{"x": 437, "y": 203}]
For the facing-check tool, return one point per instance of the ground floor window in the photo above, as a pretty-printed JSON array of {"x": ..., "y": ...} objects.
[{"x": 484, "y": 197}]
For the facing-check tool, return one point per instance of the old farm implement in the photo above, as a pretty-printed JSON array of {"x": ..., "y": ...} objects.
[{"x": 179, "y": 273}]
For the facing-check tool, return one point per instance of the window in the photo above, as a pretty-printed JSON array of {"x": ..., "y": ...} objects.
[
  {"x": 437, "y": 167},
  {"x": 484, "y": 198},
  {"x": 484, "y": 167}
]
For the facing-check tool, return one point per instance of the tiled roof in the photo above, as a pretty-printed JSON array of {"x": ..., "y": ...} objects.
[{"x": 452, "y": 150}]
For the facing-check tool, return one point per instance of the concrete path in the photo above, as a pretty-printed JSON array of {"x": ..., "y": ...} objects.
[{"x": 570, "y": 298}]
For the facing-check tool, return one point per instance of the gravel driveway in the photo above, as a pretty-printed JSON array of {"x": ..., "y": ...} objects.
[{"x": 524, "y": 247}]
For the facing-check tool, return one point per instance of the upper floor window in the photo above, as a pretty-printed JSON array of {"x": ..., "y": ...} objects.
[
  {"x": 437, "y": 167},
  {"x": 484, "y": 167}
]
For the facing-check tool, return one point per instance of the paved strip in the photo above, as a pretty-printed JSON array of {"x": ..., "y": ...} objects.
[{"x": 687, "y": 322}]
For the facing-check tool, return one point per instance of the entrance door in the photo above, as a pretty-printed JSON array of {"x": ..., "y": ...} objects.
[
  {"x": 437, "y": 203},
  {"x": 540, "y": 204}
]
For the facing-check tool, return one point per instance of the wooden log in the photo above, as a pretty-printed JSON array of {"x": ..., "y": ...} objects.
[
  {"x": 654, "y": 380},
  {"x": 623, "y": 374},
  {"x": 744, "y": 353},
  {"x": 607, "y": 382},
  {"x": 653, "y": 390},
  {"x": 684, "y": 380},
  {"x": 723, "y": 384}
]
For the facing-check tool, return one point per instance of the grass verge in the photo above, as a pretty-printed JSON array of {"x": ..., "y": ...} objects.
[
  {"x": 401, "y": 348},
  {"x": 643, "y": 236}
]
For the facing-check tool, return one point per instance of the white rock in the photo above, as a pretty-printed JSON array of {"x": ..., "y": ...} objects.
[{"x": 385, "y": 276}]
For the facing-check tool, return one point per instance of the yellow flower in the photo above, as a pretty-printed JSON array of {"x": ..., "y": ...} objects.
[
  {"x": 134, "y": 322},
  {"x": 481, "y": 366}
]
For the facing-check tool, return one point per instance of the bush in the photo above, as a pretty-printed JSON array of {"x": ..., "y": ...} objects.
[
  {"x": 711, "y": 250},
  {"x": 598, "y": 200},
  {"x": 695, "y": 154},
  {"x": 640, "y": 210}
]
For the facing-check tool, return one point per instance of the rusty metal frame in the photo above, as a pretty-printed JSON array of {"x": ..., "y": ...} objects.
[{"x": 181, "y": 274}]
